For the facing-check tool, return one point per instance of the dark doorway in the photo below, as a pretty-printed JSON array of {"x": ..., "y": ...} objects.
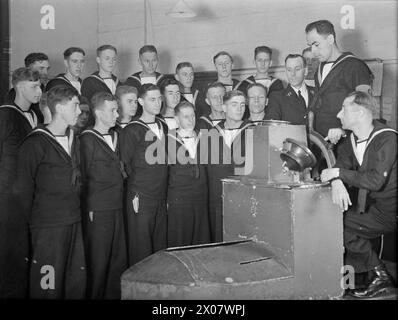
[{"x": 4, "y": 48}]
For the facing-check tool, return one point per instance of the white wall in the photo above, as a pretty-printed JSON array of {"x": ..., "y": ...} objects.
[
  {"x": 75, "y": 25},
  {"x": 233, "y": 25},
  {"x": 239, "y": 26}
]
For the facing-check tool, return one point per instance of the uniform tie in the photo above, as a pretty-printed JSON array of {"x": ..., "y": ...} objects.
[
  {"x": 361, "y": 200},
  {"x": 301, "y": 98}
]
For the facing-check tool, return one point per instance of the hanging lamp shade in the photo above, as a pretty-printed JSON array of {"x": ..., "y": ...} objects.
[{"x": 181, "y": 10}]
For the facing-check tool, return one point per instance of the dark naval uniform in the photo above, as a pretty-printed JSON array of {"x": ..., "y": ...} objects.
[
  {"x": 94, "y": 83},
  {"x": 196, "y": 98},
  {"x": 373, "y": 192},
  {"x": 47, "y": 187},
  {"x": 287, "y": 106},
  {"x": 234, "y": 86},
  {"x": 135, "y": 81},
  {"x": 119, "y": 126},
  {"x": 14, "y": 127},
  {"x": 10, "y": 98},
  {"x": 103, "y": 227},
  {"x": 258, "y": 122},
  {"x": 230, "y": 156},
  {"x": 204, "y": 122},
  {"x": 61, "y": 80},
  {"x": 187, "y": 213},
  {"x": 275, "y": 85},
  {"x": 346, "y": 73},
  {"x": 145, "y": 160}
]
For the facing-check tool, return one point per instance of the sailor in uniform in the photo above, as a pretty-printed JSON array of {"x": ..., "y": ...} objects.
[
  {"x": 143, "y": 152},
  {"x": 187, "y": 212},
  {"x": 102, "y": 177},
  {"x": 263, "y": 61},
  {"x": 185, "y": 75},
  {"x": 223, "y": 62},
  {"x": 214, "y": 98},
  {"x": 48, "y": 189},
  {"x": 149, "y": 60},
  {"x": 74, "y": 63},
  {"x": 35, "y": 61},
  {"x": 171, "y": 97},
  {"x": 339, "y": 73},
  {"x": 257, "y": 97},
  {"x": 103, "y": 79},
  {"x": 17, "y": 119},
  {"x": 226, "y": 156},
  {"x": 364, "y": 186},
  {"x": 127, "y": 99}
]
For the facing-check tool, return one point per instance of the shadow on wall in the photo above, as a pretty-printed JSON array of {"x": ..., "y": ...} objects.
[
  {"x": 203, "y": 12},
  {"x": 238, "y": 61},
  {"x": 130, "y": 59},
  {"x": 276, "y": 56},
  {"x": 165, "y": 57},
  {"x": 352, "y": 40}
]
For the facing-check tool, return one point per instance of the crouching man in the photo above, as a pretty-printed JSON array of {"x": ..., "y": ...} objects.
[{"x": 364, "y": 185}]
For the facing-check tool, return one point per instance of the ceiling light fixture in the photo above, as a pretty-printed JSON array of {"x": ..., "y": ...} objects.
[{"x": 181, "y": 10}]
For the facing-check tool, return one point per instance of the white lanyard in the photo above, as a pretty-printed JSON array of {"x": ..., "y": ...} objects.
[
  {"x": 155, "y": 129},
  {"x": 106, "y": 138},
  {"x": 359, "y": 152},
  {"x": 67, "y": 147}
]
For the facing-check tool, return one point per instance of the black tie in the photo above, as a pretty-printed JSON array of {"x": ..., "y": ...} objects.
[{"x": 301, "y": 98}]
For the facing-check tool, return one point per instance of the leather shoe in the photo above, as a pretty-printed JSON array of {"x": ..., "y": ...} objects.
[
  {"x": 362, "y": 280},
  {"x": 381, "y": 283}
]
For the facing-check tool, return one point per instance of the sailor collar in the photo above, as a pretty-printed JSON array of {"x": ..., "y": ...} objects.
[
  {"x": 101, "y": 137},
  {"x": 19, "y": 110}
]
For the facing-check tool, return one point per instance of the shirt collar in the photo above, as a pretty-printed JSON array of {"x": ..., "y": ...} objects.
[{"x": 303, "y": 89}]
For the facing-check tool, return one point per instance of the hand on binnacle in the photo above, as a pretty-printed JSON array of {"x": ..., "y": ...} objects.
[{"x": 340, "y": 195}]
